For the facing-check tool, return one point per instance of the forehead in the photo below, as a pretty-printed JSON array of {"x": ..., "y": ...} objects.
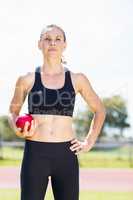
[{"x": 52, "y": 32}]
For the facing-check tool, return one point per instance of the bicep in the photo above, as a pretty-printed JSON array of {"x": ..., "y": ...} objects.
[
  {"x": 89, "y": 95},
  {"x": 18, "y": 96}
]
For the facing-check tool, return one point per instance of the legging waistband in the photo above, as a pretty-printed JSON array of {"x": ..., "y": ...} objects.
[{"x": 49, "y": 148}]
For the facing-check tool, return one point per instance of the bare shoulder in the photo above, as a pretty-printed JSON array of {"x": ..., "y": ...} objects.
[
  {"x": 26, "y": 81},
  {"x": 80, "y": 80},
  {"x": 86, "y": 90}
]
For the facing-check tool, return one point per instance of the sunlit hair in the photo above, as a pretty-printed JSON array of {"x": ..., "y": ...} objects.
[{"x": 49, "y": 27}]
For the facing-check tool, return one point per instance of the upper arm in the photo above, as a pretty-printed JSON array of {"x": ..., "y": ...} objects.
[
  {"x": 19, "y": 96},
  {"x": 88, "y": 93}
]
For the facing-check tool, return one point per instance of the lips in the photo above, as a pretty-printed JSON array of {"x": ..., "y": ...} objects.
[{"x": 52, "y": 49}]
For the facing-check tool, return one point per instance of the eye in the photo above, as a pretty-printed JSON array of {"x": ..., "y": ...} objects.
[
  {"x": 58, "y": 39},
  {"x": 47, "y": 39}
]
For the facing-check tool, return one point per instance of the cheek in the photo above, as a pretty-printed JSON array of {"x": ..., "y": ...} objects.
[
  {"x": 61, "y": 46},
  {"x": 44, "y": 47}
]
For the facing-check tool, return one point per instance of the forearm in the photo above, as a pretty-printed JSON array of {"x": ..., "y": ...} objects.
[
  {"x": 12, "y": 119},
  {"x": 95, "y": 127}
]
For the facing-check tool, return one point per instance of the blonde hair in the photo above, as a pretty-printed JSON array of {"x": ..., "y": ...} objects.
[{"x": 44, "y": 30}]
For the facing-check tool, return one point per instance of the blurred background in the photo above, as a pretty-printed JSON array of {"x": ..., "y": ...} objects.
[{"x": 100, "y": 45}]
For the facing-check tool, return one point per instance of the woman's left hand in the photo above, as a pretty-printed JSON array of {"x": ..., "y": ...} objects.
[{"x": 79, "y": 146}]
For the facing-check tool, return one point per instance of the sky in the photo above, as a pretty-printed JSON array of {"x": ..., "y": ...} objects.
[{"x": 99, "y": 44}]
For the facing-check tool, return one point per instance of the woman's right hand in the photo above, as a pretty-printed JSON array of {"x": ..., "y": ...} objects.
[{"x": 25, "y": 133}]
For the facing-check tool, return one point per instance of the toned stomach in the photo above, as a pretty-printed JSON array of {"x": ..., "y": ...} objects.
[{"x": 53, "y": 128}]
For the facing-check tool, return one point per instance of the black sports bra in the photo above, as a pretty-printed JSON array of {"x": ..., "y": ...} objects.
[{"x": 43, "y": 100}]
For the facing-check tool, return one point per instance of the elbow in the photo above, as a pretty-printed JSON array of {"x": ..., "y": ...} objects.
[
  {"x": 101, "y": 111},
  {"x": 104, "y": 113}
]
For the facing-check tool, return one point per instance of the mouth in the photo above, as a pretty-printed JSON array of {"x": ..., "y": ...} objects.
[{"x": 52, "y": 49}]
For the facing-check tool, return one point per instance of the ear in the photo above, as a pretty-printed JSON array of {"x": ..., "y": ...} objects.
[{"x": 65, "y": 45}]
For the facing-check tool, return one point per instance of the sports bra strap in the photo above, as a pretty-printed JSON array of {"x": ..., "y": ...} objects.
[{"x": 37, "y": 77}]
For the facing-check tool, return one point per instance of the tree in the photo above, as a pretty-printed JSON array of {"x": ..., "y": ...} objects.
[
  {"x": 6, "y": 132},
  {"x": 116, "y": 113},
  {"x": 82, "y": 123},
  {"x": 116, "y": 117}
]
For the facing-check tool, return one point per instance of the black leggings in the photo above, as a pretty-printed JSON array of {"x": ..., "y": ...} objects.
[{"x": 44, "y": 159}]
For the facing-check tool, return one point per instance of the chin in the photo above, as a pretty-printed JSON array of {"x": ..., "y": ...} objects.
[{"x": 53, "y": 55}]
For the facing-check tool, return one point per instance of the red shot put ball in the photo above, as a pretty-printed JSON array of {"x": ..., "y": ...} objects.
[{"x": 21, "y": 120}]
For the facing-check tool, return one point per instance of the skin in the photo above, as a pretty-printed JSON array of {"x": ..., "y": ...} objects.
[{"x": 55, "y": 128}]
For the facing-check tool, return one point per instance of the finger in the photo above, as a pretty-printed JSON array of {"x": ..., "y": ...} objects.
[
  {"x": 25, "y": 129},
  {"x": 77, "y": 148},
  {"x": 32, "y": 128},
  {"x": 32, "y": 125},
  {"x": 74, "y": 145},
  {"x": 74, "y": 140},
  {"x": 19, "y": 129},
  {"x": 26, "y": 126},
  {"x": 25, "y": 134},
  {"x": 78, "y": 151}
]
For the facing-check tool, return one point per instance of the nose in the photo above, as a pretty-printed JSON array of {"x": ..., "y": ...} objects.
[{"x": 52, "y": 42}]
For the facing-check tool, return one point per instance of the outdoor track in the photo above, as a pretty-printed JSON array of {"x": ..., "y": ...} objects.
[{"x": 90, "y": 179}]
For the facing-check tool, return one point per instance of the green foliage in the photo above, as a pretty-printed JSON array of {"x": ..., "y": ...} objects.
[
  {"x": 116, "y": 113},
  {"x": 117, "y": 158},
  {"x": 116, "y": 117},
  {"x": 82, "y": 123},
  {"x": 6, "y": 132}
]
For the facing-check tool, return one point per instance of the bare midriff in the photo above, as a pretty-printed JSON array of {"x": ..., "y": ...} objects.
[{"x": 53, "y": 128}]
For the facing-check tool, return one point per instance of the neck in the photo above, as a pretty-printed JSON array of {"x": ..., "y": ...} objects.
[{"x": 51, "y": 67}]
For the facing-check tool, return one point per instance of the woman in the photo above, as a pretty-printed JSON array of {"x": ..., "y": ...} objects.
[{"x": 51, "y": 147}]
